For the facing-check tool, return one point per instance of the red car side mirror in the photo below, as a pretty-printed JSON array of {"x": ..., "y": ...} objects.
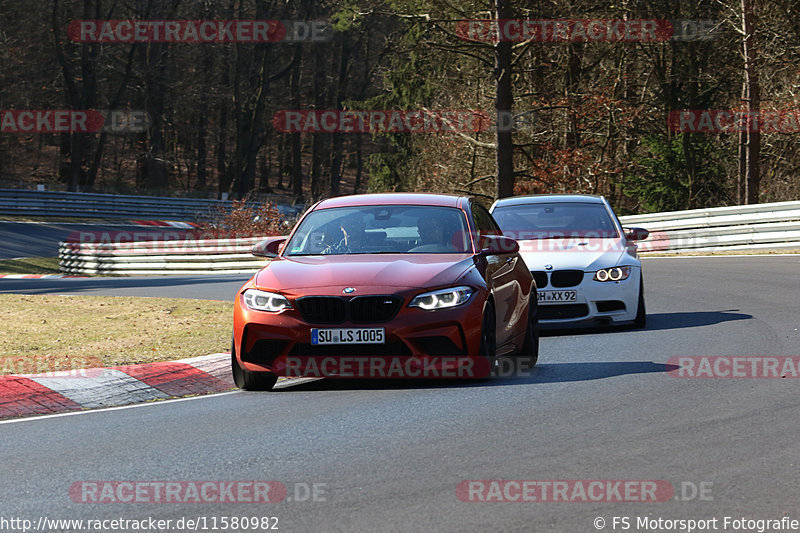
[
  {"x": 269, "y": 247},
  {"x": 498, "y": 244}
]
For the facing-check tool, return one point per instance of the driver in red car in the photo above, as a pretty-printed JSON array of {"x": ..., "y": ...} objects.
[
  {"x": 433, "y": 236},
  {"x": 353, "y": 235}
]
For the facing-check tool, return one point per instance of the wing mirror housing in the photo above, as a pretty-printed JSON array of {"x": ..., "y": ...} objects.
[
  {"x": 498, "y": 244},
  {"x": 269, "y": 248},
  {"x": 636, "y": 234}
]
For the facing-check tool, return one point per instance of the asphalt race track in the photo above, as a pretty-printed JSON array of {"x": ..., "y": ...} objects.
[
  {"x": 216, "y": 287},
  {"x": 40, "y": 239},
  {"x": 388, "y": 456}
]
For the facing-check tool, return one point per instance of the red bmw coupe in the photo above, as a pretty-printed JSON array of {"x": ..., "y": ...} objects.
[{"x": 386, "y": 285}]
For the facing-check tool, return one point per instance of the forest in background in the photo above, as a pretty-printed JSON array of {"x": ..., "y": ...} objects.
[{"x": 593, "y": 116}]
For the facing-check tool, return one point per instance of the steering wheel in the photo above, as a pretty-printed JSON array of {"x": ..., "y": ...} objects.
[{"x": 340, "y": 247}]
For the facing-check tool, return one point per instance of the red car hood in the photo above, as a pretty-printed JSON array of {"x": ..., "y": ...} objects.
[{"x": 369, "y": 271}]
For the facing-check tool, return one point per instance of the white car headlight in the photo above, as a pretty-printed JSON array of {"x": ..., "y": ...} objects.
[
  {"x": 265, "y": 301},
  {"x": 442, "y": 299},
  {"x": 613, "y": 274}
]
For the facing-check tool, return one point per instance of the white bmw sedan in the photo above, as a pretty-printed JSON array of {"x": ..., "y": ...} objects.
[{"x": 582, "y": 259}]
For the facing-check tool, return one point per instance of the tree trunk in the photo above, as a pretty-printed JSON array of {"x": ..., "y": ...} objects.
[
  {"x": 223, "y": 176},
  {"x": 318, "y": 140},
  {"x": 283, "y": 165},
  {"x": 359, "y": 163},
  {"x": 81, "y": 93},
  {"x": 742, "y": 176},
  {"x": 202, "y": 124},
  {"x": 296, "y": 162},
  {"x": 753, "y": 145},
  {"x": 224, "y": 170},
  {"x": 503, "y": 105},
  {"x": 152, "y": 168},
  {"x": 338, "y": 137},
  {"x": 571, "y": 87},
  {"x": 266, "y": 163}
]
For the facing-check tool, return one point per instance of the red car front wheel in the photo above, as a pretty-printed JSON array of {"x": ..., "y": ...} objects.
[{"x": 249, "y": 380}]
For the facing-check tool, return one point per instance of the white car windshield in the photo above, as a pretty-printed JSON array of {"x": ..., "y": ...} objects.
[
  {"x": 381, "y": 229},
  {"x": 555, "y": 220}
]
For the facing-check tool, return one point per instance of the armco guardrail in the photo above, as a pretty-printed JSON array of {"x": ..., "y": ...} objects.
[
  {"x": 182, "y": 256},
  {"x": 747, "y": 227},
  {"x": 92, "y": 205},
  {"x": 752, "y": 227}
]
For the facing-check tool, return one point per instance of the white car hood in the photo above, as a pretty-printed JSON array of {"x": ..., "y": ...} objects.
[{"x": 575, "y": 254}]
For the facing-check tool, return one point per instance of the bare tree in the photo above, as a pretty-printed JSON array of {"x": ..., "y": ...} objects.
[
  {"x": 504, "y": 99},
  {"x": 750, "y": 136}
]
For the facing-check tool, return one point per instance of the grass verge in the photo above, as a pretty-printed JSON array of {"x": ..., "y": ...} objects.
[
  {"x": 30, "y": 265},
  {"x": 49, "y": 333}
]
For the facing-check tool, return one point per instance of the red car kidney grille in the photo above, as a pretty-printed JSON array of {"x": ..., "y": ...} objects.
[
  {"x": 322, "y": 309},
  {"x": 365, "y": 309},
  {"x": 361, "y": 309}
]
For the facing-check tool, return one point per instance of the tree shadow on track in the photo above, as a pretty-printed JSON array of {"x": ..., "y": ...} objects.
[
  {"x": 662, "y": 321},
  {"x": 543, "y": 373},
  {"x": 657, "y": 322},
  {"x": 566, "y": 372}
]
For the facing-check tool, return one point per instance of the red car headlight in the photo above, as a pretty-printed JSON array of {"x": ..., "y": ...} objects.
[
  {"x": 265, "y": 301},
  {"x": 442, "y": 299}
]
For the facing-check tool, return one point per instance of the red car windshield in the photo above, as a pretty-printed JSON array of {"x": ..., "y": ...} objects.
[{"x": 386, "y": 229}]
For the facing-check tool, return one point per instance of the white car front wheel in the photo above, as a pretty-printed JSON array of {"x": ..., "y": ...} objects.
[{"x": 641, "y": 313}]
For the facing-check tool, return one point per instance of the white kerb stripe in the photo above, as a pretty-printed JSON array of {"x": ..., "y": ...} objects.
[{"x": 108, "y": 388}]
